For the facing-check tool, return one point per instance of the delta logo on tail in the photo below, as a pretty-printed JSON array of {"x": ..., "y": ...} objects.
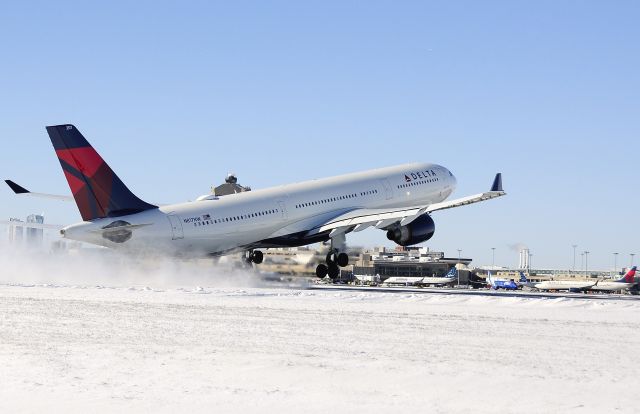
[
  {"x": 625, "y": 282},
  {"x": 98, "y": 191},
  {"x": 629, "y": 276}
]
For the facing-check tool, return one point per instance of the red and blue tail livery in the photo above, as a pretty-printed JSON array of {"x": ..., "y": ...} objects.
[
  {"x": 97, "y": 190},
  {"x": 629, "y": 276}
]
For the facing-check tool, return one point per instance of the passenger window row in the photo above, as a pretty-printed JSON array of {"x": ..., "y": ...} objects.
[
  {"x": 414, "y": 183},
  {"x": 235, "y": 218},
  {"x": 334, "y": 199}
]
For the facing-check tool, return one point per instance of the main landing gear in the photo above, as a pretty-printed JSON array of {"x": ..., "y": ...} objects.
[
  {"x": 254, "y": 256},
  {"x": 334, "y": 261}
]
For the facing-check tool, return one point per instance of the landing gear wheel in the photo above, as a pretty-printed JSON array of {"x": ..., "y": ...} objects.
[
  {"x": 332, "y": 257},
  {"x": 321, "y": 270},
  {"x": 343, "y": 259},
  {"x": 257, "y": 257},
  {"x": 333, "y": 271}
]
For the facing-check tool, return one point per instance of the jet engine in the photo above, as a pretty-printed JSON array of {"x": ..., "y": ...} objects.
[{"x": 419, "y": 230}]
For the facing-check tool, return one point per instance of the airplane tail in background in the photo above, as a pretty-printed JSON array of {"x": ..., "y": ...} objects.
[
  {"x": 629, "y": 276},
  {"x": 452, "y": 272},
  {"x": 96, "y": 188},
  {"x": 523, "y": 278}
]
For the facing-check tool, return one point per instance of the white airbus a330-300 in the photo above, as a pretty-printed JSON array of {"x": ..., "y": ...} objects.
[{"x": 398, "y": 200}]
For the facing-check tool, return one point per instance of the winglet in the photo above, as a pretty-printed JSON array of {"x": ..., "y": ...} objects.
[
  {"x": 18, "y": 189},
  {"x": 497, "y": 183}
]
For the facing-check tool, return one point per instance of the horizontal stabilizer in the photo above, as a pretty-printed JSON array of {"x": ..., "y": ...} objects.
[{"x": 18, "y": 189}]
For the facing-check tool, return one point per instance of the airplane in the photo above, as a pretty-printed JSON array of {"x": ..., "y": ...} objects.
[
  {"x": 570, "y": 285},
  {"x": 398, "y": 200},
  {"x": 401, "y": 280},
  {"x": 497, "y": 284},
  {"x": 625, "y": 282},
  {"x": 422, "y": 280},
  {"x": 524, "y": 282},
  {"x": 450, "y": 277}
]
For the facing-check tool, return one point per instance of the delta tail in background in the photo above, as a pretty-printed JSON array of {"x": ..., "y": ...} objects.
[
  {"x": 398, "y": 200},
  {"x": 569, "y": 285},
  {"x": 624, "y": 283}
]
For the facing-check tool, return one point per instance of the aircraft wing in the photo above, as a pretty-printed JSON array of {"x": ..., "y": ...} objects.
[
  {"x": 360, "y": 219},
  {"x": 32, "y": 225},
  {"x": 465, "y": 200},
  {"x": 18, "y": 189}
]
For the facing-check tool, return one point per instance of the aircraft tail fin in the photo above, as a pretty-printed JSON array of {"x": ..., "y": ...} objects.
[
  {"x": 97, "y": 190},
  {"x": 497, "y": 183},
  {"x": 523, "y": 278},
  {"x": 629, "y": 276},
  {"x": 452, "y": 272}
]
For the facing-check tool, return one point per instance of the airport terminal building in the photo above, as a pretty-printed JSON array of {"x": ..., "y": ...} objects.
[{"x": 407, "y": 262}]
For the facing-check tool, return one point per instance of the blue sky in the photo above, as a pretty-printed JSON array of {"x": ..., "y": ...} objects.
[{"x": 176, "y": 94}]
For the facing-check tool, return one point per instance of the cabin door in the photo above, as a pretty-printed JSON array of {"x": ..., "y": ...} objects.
[{"x": 176, "y": 227}]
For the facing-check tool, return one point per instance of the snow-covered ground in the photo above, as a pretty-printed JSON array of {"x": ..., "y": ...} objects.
[
  {"x": 158, "y": 347},
  {"x": 262, "y": 349}
]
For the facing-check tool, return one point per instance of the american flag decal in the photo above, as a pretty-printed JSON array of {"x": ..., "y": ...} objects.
[{"x": 206, "y": 217}]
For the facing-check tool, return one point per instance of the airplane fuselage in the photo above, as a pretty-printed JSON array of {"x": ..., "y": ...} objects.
[
  {"x": 612, "y": 286},
  {"x": 278, "y": 216},
  {"x": 563, "y": 285}
]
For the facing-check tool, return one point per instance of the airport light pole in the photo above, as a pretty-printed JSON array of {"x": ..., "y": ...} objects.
[
  {"x": 586, "y": 262},
  {"x": 458, "y": 270},
  {"x": 574, "y": 256},
  {"x": 631, "y": 254},
  {"x": 582, "y": 261},
  {"x": 615, "y": 262},
  {"x": 493, "y": 257}
]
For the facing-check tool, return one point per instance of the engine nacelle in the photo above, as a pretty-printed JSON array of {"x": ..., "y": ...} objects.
[{"x": 418, "y": 231}]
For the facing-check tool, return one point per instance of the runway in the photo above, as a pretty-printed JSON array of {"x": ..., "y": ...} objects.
[
  {"x": 313, "y": 349},
  {"x": 480, "y": 292}
]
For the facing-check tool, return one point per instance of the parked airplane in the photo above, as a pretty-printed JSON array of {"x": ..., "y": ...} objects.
[
  {"x": 422, "y": 280},
  {"x": 401, "y": 281},
  {"x": 496, "y": 284},
  {"x": 570, "y": 285},
  {"x": 625, "y": 282},
  {"x": 450, "y": 277},
  {"x": 524, "y": 282},
  {"x": 397, "y": 199}
]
